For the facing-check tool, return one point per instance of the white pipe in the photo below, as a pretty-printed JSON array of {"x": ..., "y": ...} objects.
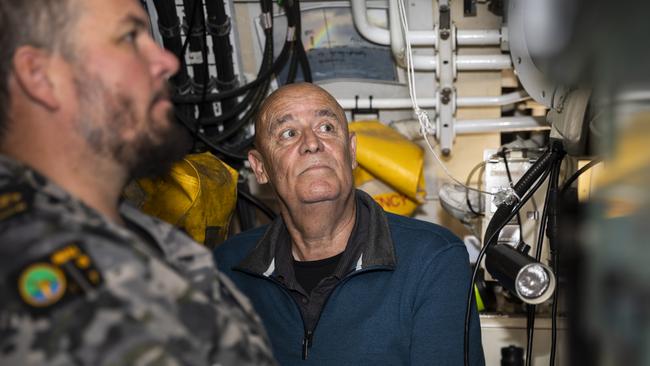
[
  {"x": 368, "y": 31},
  {"x": 424, "y": 63},
  {"x": 501, "y": 100},
  {"x": 483, "y": 62},
  {"x": 385, "y": 103},
  {"x": 423, "y": 37},
  {"x": 501, "y": 125},
  {"x": 397, "y": 44},
  {"x": 429, "y": 103},
  {"x": 379, "y": 35},
  {"x": 465, "y": 62},
  {"x": 478, "y": 37}
]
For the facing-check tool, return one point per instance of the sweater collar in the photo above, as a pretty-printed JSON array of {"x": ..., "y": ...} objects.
[{"x": 373, "y": 243}]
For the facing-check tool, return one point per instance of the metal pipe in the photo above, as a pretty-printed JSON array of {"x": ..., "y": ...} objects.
[
  {"x": 430, "y": 103},
  {"x": 483, "y": 62},
  {"x": 464, "y": 127},
  {"x": 502, "y": 124},
  {"x": 397, "y": 44},
  {"x": 478, "y": 37},
  {"x": 368, "y": 31},
  {"x": 465, "y": 62},
  {"x": 425, "y": 63},
  {"x": 385, "y": 103},
  {"x": 379, "y": 35},
  {"x": 493, "y": 101}
]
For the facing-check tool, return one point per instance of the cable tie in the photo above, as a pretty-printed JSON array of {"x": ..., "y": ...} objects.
[
  {"x": 220, "y": 30},
  {"x": 226, "y": 84},
  {"x": 197, "y": 87},
  {"x": 291, "y": 34},
  {"x": 266, "y": 20},
  {"x": 506, "y": 196},
  {"x": 184, "y": 88},
  {"x": 169, "y": 32}
]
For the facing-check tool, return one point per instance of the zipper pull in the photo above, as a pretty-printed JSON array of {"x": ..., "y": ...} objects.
[{"x": 306, "y": 343}]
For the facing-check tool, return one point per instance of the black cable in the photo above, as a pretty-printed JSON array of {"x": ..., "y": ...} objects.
[
  {"x": 488, "y": 243},
  {"x": 190, "y": 26},
  {"x": 245, "y": 213},
  {"x": 206, "y": 68},
  {"x": 233, "y": 127},
  {"x": 503, "y": 154},
  {"x": 467, "y": 182},
  {"x": 556, "y": 298},
  {"x": 267, "y": 63},
  {"x": 541, "y": 168},
  {"x": 252, "y": 101},
  {"x": 552, "y": 233},
  {"x": 530, "y": 309},
  {"x": 301, "y": 53},
  {"x": 169, "y": 27},
  {"x": 548, "y": 205},
  {"x": 266, "y": 210},
  {"x": 195, "y": 37},
  {"x": 298, "y": 54},
  {"x": 291, "y": 10},
  {"x": 191, "y": 99},
  {"x": 206, "y": 141},
  {"x": 219, "y": 26},
  {"x": 577, "y": 174}
]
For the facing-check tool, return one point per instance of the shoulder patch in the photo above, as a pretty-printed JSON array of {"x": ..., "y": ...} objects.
[
  {"x": 56, "y": 278},
  {"x": 15, "y": 200},
  {"x": 41, "y": 284}
]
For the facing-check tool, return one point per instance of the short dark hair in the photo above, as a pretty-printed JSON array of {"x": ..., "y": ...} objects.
[{"x": 39, "y": 23}]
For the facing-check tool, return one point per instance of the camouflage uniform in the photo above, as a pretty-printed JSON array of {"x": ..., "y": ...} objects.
[{"x": 77, "y": 289}]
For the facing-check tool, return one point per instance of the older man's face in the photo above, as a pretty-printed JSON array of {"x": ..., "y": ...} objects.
[
  {"x": 120, "y": 75},
  {"x": 305, "y": 150}
]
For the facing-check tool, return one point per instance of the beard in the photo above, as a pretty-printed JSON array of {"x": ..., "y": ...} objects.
[{"x": 106, "y": 117}]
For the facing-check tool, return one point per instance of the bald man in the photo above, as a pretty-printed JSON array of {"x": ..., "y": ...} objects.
[{"x": 337, "y": 280}]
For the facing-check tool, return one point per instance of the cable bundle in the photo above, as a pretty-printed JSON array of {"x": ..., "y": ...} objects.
[{"x": 227, "y": 134}]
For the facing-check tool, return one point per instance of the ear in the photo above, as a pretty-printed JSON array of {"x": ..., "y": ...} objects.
[
  {"x": 31, "y": 70},
  {"x": 353, "y": 149},
  {"x": 257, "y": 163}
]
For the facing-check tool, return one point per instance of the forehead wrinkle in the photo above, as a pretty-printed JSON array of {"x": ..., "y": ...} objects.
[
  {"x": 137, "y": 20},
  {"x": 276, "y": 122},
  {"x": 326, "y": 112}
]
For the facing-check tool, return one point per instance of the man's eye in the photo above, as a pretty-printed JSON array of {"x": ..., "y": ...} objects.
[
  {"x": 326, "y": 127},
  {"x": 288, "y": 134},
  {"x": 130, "y": 37}
]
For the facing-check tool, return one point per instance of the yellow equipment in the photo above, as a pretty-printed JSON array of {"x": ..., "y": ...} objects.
[
  {"x": 390, "y": 167},
  {"x": 198, "y": 196}
]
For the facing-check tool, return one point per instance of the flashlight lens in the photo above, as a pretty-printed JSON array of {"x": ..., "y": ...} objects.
[{"x": 532, "y": 281}]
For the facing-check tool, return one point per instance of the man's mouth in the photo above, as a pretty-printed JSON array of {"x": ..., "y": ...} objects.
[
  {"x": 163, "y": 95},
  {"x": 315, "y": 167}
]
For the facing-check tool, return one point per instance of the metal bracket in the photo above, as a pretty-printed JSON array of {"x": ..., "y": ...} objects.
[{"x": 445, "y": 73}]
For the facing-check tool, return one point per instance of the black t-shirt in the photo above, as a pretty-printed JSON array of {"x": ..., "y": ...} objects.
[{"x": 310, "y": 273}]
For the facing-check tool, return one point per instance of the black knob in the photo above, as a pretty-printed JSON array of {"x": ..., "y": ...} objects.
[{"x": 512, "y": 356}]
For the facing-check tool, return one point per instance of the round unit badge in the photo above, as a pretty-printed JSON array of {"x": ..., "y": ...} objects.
[{"x": 41, "y": 284}]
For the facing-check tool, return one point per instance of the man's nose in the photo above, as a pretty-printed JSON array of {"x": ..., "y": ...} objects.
[
  {"x": 311, "y": 143},
  {"x": 164, "y": 64}
]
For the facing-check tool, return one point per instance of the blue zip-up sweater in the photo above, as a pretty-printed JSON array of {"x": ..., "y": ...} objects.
[{"x": 401, "y": 303}]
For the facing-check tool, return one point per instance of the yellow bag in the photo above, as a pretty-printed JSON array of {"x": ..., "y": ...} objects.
[
  {"x": 390, "y": 167},
  {"x": 198, "y": 195}
]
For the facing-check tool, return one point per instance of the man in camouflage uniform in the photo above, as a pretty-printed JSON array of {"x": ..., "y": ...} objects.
[{"x": 83, "y": 280}]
